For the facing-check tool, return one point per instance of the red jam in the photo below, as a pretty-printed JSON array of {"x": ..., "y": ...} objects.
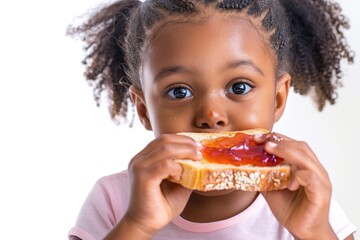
[{"x": 238, "y": 150}]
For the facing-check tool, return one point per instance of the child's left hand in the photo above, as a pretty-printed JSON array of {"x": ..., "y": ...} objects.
[{"x": 303, "y": 208}]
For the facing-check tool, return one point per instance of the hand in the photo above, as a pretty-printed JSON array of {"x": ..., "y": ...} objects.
[
  {"x": 154, "y": 201},
  {"x": 303, "y": 208}
]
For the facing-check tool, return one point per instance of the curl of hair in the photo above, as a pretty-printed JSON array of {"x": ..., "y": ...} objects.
[
  {"x": 106, "y": 67},
  {"x": 318, "y": 47}
]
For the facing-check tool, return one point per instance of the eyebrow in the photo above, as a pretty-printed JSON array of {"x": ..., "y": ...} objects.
[
  {"x": 232, "y": 64},
  {"x": 170, "y": 70},
  {"x": 247, "y": 63}
]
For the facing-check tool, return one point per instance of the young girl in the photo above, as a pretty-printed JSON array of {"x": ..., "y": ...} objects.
[{"x": 211, "y": 66}]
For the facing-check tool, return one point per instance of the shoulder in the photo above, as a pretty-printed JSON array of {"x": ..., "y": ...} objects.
[
  {"x": 115, "y": 180},
  {"x": 341, "y": 224},
  {"x": 103, "y": 208},
  {"x": 110, "y": 194},
  {"x": 114, "y": 188}
]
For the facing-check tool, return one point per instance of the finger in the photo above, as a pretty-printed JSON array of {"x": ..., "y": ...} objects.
[
  {"x": 262, "y": 137},
  {"x": 315, "y": 187},
  {"x": 173, "y": 139},
  {"x": 299, "y": 144},
  {"x": 278, "y": 199},
  {"x": 174, "y": 189},
  {"x": 156, "y": 162},
  {"x": 293, "y": 152},
  {"x": 174, "y": 151},
  {"x": 165, "y": 169},
  {"x": 152, "y": 176},
  {"x": 307, "y": 171},
  {"x": 299, "y": 156},
  {"x": 167, "y": 145},
  {"x": 175, "y": 194},
  {"x": 283, "y": 137}
]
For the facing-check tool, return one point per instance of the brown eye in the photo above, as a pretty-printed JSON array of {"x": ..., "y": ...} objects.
[
  {"x": 240, "y": 88},
  {"x": 179, "y": 92}
]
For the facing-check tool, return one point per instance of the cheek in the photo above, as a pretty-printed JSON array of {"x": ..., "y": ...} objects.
[
  {"x": 258, "y": 114},
  {"x": 168, "y": 119},
  {"x": 260, "y": 119}
]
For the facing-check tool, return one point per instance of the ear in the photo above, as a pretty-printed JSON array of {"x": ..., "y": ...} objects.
[
  {"x": 137, "y": 97},
  {"x": 282, "y": 92}
]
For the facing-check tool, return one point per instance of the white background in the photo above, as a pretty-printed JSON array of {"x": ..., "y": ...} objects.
[{"x": 55, "y": 143}]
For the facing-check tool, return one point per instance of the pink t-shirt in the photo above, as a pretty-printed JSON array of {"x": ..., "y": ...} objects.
[{"x": 108, "y": 201}]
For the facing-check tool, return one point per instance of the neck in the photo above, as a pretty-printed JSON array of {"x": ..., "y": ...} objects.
[{"x": 208, "y": 207}]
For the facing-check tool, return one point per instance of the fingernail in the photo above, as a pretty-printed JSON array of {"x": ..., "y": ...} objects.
[
  {"x": 276, "y": 138},
  {"x": 258, "y": 135},
  {"x": 198, "y": 144},
  {"x": 272, "y": 145}
]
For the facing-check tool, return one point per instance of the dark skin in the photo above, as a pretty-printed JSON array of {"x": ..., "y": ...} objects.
[{"x": 218, "y": 75}]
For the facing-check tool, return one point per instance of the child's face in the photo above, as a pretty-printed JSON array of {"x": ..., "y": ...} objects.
[{"x": 219, "y": 75}]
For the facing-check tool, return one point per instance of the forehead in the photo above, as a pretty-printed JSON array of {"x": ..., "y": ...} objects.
[{"x": 209, "y": 40}]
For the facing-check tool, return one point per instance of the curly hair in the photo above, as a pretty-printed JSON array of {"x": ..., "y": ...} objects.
[{"x": 306, "y": 36}]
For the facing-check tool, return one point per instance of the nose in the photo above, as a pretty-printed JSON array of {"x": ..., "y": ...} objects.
[{"x": 211, "y": 115}]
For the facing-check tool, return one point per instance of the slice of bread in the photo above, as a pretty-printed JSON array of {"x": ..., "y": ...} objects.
[{"x": 208, "y": 176}]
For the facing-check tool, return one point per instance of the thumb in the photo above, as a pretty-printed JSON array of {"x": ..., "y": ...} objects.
[{"x": 176, "y": 195}]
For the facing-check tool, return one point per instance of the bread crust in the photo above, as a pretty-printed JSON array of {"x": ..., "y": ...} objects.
[{"x": 207, "y": 176}]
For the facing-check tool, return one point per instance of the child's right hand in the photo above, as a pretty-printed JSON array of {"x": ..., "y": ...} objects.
[{"x": 155, "y": 202}]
